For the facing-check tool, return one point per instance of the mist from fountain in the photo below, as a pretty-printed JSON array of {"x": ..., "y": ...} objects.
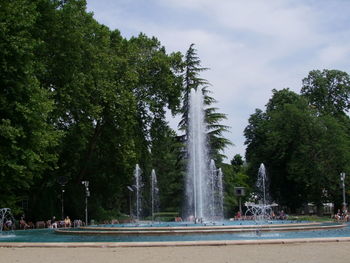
[{"x": 154, "y": 193}]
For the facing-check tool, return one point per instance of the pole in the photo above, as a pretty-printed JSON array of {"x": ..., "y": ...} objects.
[
  {"x": 130, "y": 203},
  {"x": 62, "y": 203},
  {"x": 240, "y": 205},
  {"x": 86, "y": 209},
  {"x": 343, "y": 183},
  {"x": 87, "y": 194}
]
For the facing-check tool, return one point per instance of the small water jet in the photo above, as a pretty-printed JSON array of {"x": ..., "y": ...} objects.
[
  {"x": 7, "y": 220},
  {"x": 220, "y": 193},
  {"x": 138, "y": 187},
  {"x": 216, "y": 187},
  {"x": 261, "y": 210}
]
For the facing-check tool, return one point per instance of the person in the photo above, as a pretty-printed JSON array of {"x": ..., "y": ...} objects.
[
  {"x": 8, "y": 224},
  {"x": 338, "y": 215},
  {"x": 238, "y": 215},
  {"x": 273, "y": 216},
  {"x": 53, "y": 222},
  {"x": 178, "y": 219},
  {"x": 67, "y": 222},
  {"x": 282, "y": 215},
  {"x": 23, "y": 224}
]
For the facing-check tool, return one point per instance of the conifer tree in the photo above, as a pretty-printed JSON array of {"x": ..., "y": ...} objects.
[{"x": 192, "y": 80}]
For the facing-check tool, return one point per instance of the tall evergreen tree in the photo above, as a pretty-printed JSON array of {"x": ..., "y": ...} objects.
[{"x": 192, "y": 80}]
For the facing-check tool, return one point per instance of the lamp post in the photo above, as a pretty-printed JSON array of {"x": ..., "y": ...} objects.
[
  {"x": 342, "y": 178},
  {"x": 239, "y": 192},
  {"x": 87, "y": 194},
  {"x": 62, "y": 180},
  {"x": 130, "y": 192}
]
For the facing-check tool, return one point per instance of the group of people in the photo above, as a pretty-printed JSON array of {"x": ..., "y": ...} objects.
[
  {"x": 61, "y": 223},
  {"x": 53, "y": 223},
  {"x": 342, "y": 215}
]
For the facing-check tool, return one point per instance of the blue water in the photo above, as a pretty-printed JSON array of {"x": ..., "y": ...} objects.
[
  {"x": 182, "y": 224},
  {"x": 49, "y": 235}
]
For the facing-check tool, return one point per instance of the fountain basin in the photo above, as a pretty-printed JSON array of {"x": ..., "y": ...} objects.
[
  {"x": 235, "y": 234},
  {"x": 196, "y": 230}
]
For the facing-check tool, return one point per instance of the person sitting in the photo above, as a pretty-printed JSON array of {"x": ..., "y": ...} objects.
[
  {"x": 178, "y": 219},
  {"x": 8, "y": 225},
  {"x": 282, "y": 215},
  {"x": 273, "y": 216},
  {"x": 23, "y": 224},
  {"x": 53, "y": 222},
  {"x": 238, "y": 215},
  {"x": 67, "y": 222},
  {"x": 338, "y": 215}
]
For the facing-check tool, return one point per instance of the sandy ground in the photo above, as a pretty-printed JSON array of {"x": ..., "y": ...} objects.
[{"x": 300, "y": 253}]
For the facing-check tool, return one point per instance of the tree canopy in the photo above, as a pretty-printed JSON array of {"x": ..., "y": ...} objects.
[{"x": 78, "y": 101}]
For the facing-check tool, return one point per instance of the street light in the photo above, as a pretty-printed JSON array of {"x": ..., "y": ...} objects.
[
  {"x": 130, "y": 192},
  {"x": 62, "y": 180},
  {"x": 239, "y": 192},
  {"x": 342, "y": 178},
  {"x": 87, "y": 194}
]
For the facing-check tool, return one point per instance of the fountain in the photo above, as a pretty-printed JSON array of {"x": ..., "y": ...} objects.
[
  {"x": 7, "y": 220},
  {"x": 261, "y": 210},
  {"x": 204, "y": 202},
  {"x": 154, "y": 193},
  {"x": 138, "y": 187},
  {"x": 204, "y": 197},
  {"x": 216, "y": 187},
  {"x": 220, "y": 194},
  {"x": 203, "y": 186}
]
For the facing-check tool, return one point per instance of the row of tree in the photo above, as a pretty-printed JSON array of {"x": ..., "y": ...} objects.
[
  {"x": 80, "y": 102},
  {"x": 303, "y": 140}
]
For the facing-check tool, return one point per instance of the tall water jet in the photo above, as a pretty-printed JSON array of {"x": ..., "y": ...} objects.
[
  {"x": 154, "y": 193},
  {"x": 197, "y": 190},
  {"x": 138, "y": 187}
]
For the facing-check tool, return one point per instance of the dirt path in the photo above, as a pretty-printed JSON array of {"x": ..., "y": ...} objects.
[{"x": 299, "y": 253}]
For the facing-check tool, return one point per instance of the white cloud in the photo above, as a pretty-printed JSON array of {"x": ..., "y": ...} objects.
[{"x": 251, "y": 47}]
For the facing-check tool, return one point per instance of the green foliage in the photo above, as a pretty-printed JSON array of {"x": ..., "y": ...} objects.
[
  {"x": 328, "y": 91},
  {"x": 27, "y": 137},
  {"x": 235, "y": 175},
  {"x": 303, "y": 151},
  {"x": 80, "y": 101}
]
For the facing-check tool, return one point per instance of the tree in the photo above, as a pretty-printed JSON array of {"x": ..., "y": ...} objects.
[
  {"x": 27, "y": 138},
  {"x": 192, "y": 80},
  {"x": 328, "y": 91},
  {"x": 301, "y": 149}
]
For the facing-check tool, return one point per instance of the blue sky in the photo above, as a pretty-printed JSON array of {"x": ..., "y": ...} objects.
[{"x": 250, "y": 46}]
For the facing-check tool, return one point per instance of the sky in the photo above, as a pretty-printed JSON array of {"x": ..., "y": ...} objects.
[{"x": 250, "y": 46}]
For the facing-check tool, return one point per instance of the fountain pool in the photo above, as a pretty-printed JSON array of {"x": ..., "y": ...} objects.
[{"x": 239, "y": 232}]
